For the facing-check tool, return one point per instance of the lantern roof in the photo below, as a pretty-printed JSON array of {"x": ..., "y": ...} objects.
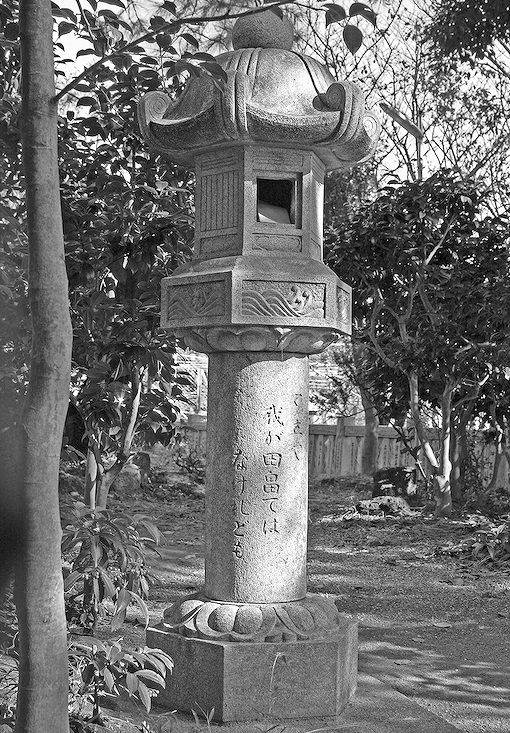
[{"x": 273, "y": 96}]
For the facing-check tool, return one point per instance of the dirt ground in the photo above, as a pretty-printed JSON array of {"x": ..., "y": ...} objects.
[{"x": 434, "y": 627}]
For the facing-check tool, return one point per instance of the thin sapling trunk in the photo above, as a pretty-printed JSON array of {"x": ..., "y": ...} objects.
[{"x": 43, "y": 681}]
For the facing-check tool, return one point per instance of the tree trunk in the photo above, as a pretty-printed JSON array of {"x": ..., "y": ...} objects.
[
  {"x": 442, "y": 487},
  {"x": 459, "y": 449},
  {"x": 501, "y": 455},
  {"x": 456, "y": 474},
  {"x": 98, "y": 482},
  {"x": 418, "y": 422},
  {"x": 370, "y": 448},
  {"x": 442, "y": 468},
  {"x": 43, "y": 683}
]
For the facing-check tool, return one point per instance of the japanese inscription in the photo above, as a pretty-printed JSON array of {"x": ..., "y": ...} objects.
[
  {"x": 275, "y": 424},
  {"x": 260, "y": 474},
  {"x": 299, "y": 428},
  {"x": 272, "y": 463},
  {"x": 241, "y": 505}
]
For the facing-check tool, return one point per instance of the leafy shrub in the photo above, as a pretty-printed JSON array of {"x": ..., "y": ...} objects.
[
  {"x": 8, "y": 621},
  {"x": 489, "y": 544},
  {"x": 9, "y": 688},
  {"x": 493, "y": 503},
  {"x": 106, "y": 561},
  {"x": 190, "y": 461},
  {"x": 493, "y": 544},
  {"x": 101, "y": 669}
]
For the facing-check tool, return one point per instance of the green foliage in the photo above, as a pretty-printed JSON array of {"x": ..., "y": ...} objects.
[
  {"x": 334, "y": 383},
  {"x": 492, "y": 545},
  {"x": 489, "y": 545},
  {"x": 98, "y": 669},
  {"x": 467, "y": 28},
  {"x": 14, "y": 315},
  {"x": 9, "y": 687},
  {"x": 189, "y": 460},
  {"x": 429, "y": 269},
  {"x": 127, "y": 217},
  {"x": 412, "y": 256},
  {"x": 127, "y": 223},
  {"x": 105, "y": 555},
  {"x": 8, "y": 621},
  {"x": 493, "y": 503}
]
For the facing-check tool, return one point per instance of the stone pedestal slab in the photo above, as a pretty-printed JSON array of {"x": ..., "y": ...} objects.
[{"x": 255, "y": 681}]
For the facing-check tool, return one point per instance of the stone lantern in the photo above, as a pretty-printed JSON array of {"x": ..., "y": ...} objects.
[{"x": 258, "y": 299}]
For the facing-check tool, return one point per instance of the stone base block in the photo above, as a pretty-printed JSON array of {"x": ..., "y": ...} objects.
[{"x": 253, "y": 681}]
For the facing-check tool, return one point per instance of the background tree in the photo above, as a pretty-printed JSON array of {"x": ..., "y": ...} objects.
[
  {"x": 43, "y": 678},
  {"x": 127, "y": 222},
  {"x": 461, "y": 108},
  {"x": 412, "y": 256},
  {"x": 470, "y": 30}
]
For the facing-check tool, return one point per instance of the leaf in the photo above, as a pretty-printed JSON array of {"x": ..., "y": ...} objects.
[
  {"x": 334, "y": 13},
  {"x": 65, "y": 27},
  {"x": 62, "y": 13},
  {"x": 164, "y": 41},
  {"x": 117, "y": 3},
  {"x": 96, "y": 643},
  {"x": 353, "y": 38},
  {"x": 145, "y": 659},
  {"x": 160, "y": 654},
  {"x": 157, "y": 21},
  {"x": 171, "y": 7},
  {"x": 69, "y": 542},
  {"x": 144, "y": 695},
  {"x": 142, "y": 605},
  {"x": 115, "y": 655},
  {"x": 365, "y": 11},
  {"x": 190, "y": 39},
  {"x": 109, "y": 679},
  {"x": 88, "y": 674},
  {"x": 71, "y": 579},
  {"x": 132, "y": 683},
  {"x": 149, "y": 674},
  {"x": 214, "y": 70},
  {"x": 121, "y": 605},
  {"x": 109, "y": 587},
  {"x": 151, "y": 529}
]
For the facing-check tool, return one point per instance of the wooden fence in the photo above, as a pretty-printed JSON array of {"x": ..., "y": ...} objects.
[{"x": 335, "y": 450}]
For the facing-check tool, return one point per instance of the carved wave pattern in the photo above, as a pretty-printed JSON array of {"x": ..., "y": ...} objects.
[
  {"x": 298, "y": 303},
  {"x": 190, "y": 302},
  {"x": 200, "y": 617}
]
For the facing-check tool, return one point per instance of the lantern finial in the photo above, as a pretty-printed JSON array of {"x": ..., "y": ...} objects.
[{"x": 263, "y": 30}]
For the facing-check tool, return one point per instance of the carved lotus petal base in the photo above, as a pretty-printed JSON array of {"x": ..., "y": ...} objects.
[
  {"x": 197, "y": 616},
  {"x": 296, "y": 340}
]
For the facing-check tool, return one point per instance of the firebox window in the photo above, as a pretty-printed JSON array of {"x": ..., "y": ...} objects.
[{"x": 276, "y": 200}]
